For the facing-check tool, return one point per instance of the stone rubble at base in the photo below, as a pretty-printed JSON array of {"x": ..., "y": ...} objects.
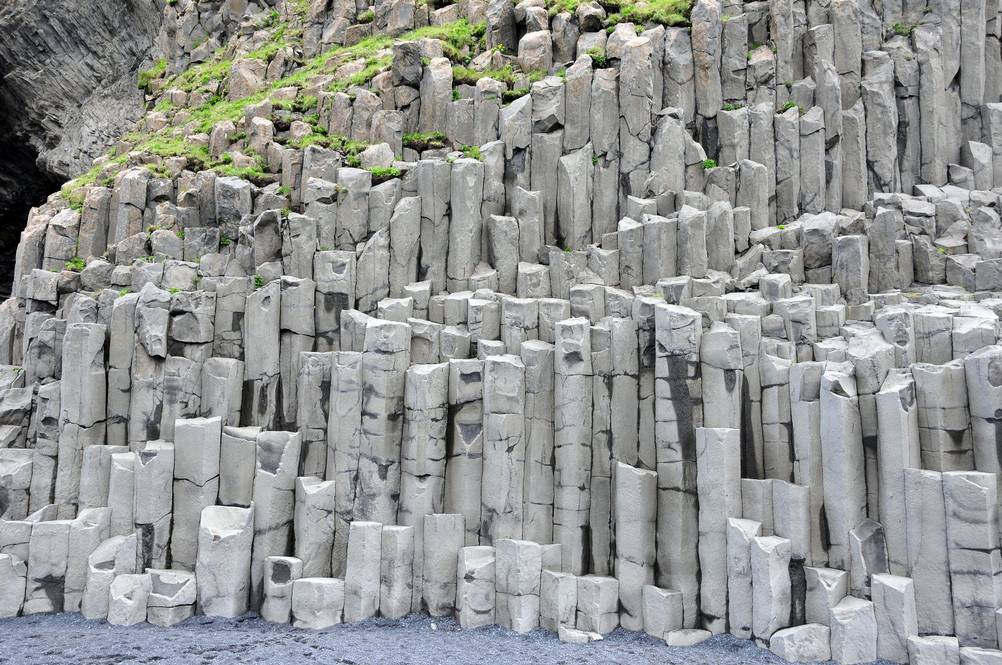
[{"x": 703, "y": 338}]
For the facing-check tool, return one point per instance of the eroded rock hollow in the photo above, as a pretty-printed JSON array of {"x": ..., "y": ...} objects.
[{"x": 67, "y": 91}]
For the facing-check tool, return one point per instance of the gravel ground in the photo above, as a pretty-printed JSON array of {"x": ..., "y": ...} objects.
[{"x": 58, "y": 639}]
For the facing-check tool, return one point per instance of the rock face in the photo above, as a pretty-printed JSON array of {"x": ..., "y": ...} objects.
[
  {"x": 68, "y": 91},
  {"x": 695, "y": 338},
  {"x": 70, "y": 71}
]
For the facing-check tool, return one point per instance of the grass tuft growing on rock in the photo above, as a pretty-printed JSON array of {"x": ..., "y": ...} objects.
[
  {"x": 76, "y": 264},
  {"x": 661, "y": 12},
  {"x": 598, "y": 57},
  {"x": 383, "y": 173},
  {"x": 148, "y": 76},
  {"x": 422, "y": 141},
  {"x": 902, "y": 29}
]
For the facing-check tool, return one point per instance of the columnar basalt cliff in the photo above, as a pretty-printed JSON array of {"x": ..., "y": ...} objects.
[
  {"x": 67, "y": 91},
  {"x": 680, "y": 317}
]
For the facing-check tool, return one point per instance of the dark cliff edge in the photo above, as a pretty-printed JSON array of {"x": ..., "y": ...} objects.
[{"x": 67, "y": 91}]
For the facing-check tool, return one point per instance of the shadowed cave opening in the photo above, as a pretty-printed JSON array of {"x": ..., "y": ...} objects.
[{"x": 23, "y": 185}]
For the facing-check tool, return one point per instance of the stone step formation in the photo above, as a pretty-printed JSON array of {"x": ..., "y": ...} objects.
[{"x": 531, "y": 316}]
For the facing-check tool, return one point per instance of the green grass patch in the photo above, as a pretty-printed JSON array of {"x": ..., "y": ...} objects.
[
  {"x": 465, "y": 75},
  {"x": 511, "y": 95},
  {"x": 148, "y": 76},
  {"x": 201, "y": 74},
  {"x": 661, "y": 12},
  {"x": 76, "y": 264},
  {"x": 903, "y": 29},
  {"x": 598, "y": 57},
  {"x": 373, "y": 65},
  {"x": 422, "y": 141},
  {"x": 790, "y": 104},
  {"x": 459, "y": 39},
  {"x": 281, "y": 38},
  {"x": 383, "y": 173}
]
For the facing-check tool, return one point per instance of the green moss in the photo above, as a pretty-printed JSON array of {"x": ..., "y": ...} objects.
[
  {"x": 304, "y": 104},
  {"x": 172, "y": 290},
  {"x": 272, "y": 19},
  {"x": 383, "y": 173},
  {"x": 790, "y": 104},
  {"x": 159, "y": 171},
  {"x": 471, "y": 151},
  {"x": 461, "y": 74},
  {"x": 73, "y": 191},
  {"x": 308, "y": 140},
  {"x": 459, "y": 39},
  {"x": 709, "y": 164},
  {"x": 201, "y": 74},
  {"x": 537, "y": 75},
  {"x": 76, "y": 264},
  {"x": 559, "y": 6},
  {"x": 456, "y": 37},
  {"x": 258, "y": 281},
  {"x": 148, "y": 76},
  {"x": 661, "y": 12},
  {"x": 903, "y": 29},
  {"x": 281, "y": 38},
  {"x": 246, "y": 172},
  {"x": 123, "y": 292},
  {"x": 373, "y": 65},
  {"x": 225, "y": 240},
  {"x": 367, "y": 16},
  {"x": 164, "y": 146},
  {"x": 346, "y": 146},
  {"x": 511, "y": 95},
  {"x": 422, "y": 141},
  {"x": 733, "y": 107},
  {"x": 598, "y": 57},
  {"x": 75, "y": 198}
]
